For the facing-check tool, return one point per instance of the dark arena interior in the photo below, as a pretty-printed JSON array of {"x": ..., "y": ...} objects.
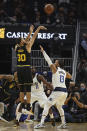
[{"x": 64, "y": 39}]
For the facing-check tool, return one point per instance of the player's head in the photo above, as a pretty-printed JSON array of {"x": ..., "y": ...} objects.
[
  {"x": 59, "y": 63},
  {"x": 20, "y": 41},
  {"x": 33, "y": 69},
  {"x": 56, "y": 63}
]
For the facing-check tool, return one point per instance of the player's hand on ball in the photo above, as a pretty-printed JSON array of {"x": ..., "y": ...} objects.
[{"x": 41, "y": 48}]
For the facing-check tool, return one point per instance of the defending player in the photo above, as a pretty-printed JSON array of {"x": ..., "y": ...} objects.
[
  {"x": 59, "y": 93},
  {"x": 37, "y": 90}
]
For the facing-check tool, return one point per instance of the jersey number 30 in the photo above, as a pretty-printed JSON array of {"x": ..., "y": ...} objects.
[{"x": 21, "y": 57}]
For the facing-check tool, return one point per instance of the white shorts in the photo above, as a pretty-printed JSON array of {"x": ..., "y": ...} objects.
[
  {"x": 57, "y": 98},
  {"x": 40, "y": 97}
]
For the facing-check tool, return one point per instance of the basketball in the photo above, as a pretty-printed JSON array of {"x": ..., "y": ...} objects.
[{"x": 49, "y": 9}]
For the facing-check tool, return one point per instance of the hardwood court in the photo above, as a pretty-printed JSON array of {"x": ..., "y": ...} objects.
[{"x": 29, "y": 127}]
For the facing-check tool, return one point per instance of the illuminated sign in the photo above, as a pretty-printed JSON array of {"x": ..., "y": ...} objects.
[
  {"x": 39, "y": 36},
  {"x": 12, "y": 32},
  {"x": 2, "y": 33}
]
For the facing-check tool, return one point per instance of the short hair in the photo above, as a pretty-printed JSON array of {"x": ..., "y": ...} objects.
[
  {"x": 61, "y": 63},
  {"x": 17, "y": 41}
]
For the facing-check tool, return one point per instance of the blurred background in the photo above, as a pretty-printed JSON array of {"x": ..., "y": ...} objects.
[{"x": 65, "y": 38}]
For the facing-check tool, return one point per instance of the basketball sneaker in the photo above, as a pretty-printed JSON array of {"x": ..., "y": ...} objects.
[
  {"x": 39, "y": 126},
  {"x": 1, "y": 118},
  {"x": 62, "y": 126}
]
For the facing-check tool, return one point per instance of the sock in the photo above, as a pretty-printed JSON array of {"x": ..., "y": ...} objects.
[
  {"x": 63, "y": 119},
  {"x": 43, "y": 119}
]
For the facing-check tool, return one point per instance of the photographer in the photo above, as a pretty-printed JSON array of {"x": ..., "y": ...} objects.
[{"x": 75, "y": 110}]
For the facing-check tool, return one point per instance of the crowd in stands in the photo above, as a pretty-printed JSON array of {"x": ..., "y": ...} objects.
[{"x": 21, "y": 11}]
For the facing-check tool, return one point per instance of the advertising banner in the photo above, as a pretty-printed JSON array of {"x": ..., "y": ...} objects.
[{"x": 9, "y": 33}]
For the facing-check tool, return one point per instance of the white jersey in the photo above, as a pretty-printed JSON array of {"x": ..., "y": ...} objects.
[
  {"x": 58, "y": 78},
  {"x": 37, "y": 92},
  {"x": 37, "y": 87}
]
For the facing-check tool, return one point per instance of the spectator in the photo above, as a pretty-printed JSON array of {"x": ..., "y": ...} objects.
[
  {"x": 82, "y": 87},
  {"x": 84, "y": 45},
  {"x": 84, "y": 93},
  {"x": 19, "y": 16},
  {"x": 81, "y": 71},
  {"x": 9, "y": 93},
  {"x": 61, "y": 16},
  {"x": 75, "y": 110}
]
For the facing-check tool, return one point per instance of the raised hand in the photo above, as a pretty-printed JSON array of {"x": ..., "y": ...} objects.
[
  {"x": 42, "y": 27},
  {"x": 31, "y": 28},
  {"x": 41, "y": 48}
]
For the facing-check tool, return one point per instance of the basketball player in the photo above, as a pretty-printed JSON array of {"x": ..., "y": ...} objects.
[
  {"x": 37, "y": 89},
  {"x": 59, "y": 93},
  {"x": 23, "y": 52}
]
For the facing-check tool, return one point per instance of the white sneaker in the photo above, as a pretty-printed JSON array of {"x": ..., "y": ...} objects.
[
  {"x": 28, "y": 120},
  {"x": 1, "y": 118},
  {"x": 39, "y": 126},
  {"x": 62, "y": 126}
]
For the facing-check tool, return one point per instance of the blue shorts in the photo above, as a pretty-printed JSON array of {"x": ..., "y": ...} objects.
[{"x": 23, "y": 117}]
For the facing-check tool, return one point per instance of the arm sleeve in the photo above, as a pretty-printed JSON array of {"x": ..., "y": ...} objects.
[{"x": 47, "y": 58}]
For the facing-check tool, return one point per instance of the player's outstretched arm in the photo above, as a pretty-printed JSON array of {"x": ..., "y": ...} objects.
[
  {"x": 31, "y": 42},
  {"x": 48, "y": 60},
  {"x": 30, "y": 32}
]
